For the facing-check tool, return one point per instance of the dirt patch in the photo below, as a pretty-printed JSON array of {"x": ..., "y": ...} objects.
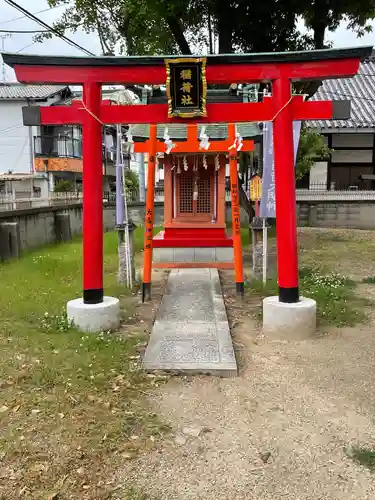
[
  {"x": 73, "y": 406},
  {"x": 143, "y": 316},
  {"x": 280, "y": 429}
]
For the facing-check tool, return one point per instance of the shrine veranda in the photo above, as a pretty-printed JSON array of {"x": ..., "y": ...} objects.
[{"x": 187, "y": 80}]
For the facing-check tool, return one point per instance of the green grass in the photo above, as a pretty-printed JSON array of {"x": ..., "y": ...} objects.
[
  {"x": 246, "y": 237},
  {"x": 337, "y": 302},
  {"x": 133, "y": 494},
  {"x": 369, "y": 280},
  {"x": 69, "y": 402},
  {"x": 363, "y": 456}
]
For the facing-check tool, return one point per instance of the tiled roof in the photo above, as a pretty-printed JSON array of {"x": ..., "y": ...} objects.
[
  {"x": 360, "y": 90},
  {"x": 178, "y": 131},
  {"x": 18, "y": 91},
  {"x": 123, "y": 96}
]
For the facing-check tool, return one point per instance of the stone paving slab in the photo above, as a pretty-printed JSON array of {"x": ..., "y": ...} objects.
[{"x": 191, "y": 331}]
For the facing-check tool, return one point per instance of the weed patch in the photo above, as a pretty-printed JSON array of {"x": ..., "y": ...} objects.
[
  {"x": 72, "y": 405},
  {"x": 363, "y": 456},
  {"x": 337, "y": 302}
]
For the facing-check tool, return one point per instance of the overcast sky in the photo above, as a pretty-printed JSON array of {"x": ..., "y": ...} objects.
[{"x": 24, "y": 42}]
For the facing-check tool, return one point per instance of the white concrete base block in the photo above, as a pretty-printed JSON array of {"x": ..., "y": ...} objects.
[
  {"x": 295, "y": 321},
  {"x": 95, "y": 317}
]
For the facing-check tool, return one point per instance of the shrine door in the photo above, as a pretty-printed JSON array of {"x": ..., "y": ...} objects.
[{"x": 195, "y": 196}]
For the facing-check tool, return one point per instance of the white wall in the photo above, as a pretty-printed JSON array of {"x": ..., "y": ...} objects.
[
  {"x": 14, "y": 137},
  {"x": 318, "y": 174}
]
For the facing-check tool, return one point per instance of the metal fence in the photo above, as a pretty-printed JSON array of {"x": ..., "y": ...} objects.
[
  {"x": 55, "y": 146},
  {"x": 316, "y": 193},
  {"x": 359, "y": 185},
  {"x": 10, "y": 202}
]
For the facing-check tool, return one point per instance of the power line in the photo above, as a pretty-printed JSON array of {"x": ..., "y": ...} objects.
[
  {"x": 23, "y": 31},
  {"x": 22, "y": 17},
  {"x": 48, "y": 27},
  {"x": 25, "y": 47}
]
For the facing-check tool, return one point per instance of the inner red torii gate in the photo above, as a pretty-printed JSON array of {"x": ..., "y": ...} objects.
[{"x": 282, "y": 108}]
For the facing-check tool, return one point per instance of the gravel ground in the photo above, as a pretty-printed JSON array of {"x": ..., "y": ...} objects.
[{"x": 279, "y": 430}]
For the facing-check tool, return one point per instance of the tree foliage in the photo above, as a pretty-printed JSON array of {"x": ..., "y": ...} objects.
[
  {"x": 311, "y": 148},
  {"x": 137, "y": 27},
  {"x": 131, "y": 181},
  {"x": 148, "y": 27},
  {"x": 63, "y": 186}
]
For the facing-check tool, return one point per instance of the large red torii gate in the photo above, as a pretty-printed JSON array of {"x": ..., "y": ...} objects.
[{"x": 282, "y": 108}]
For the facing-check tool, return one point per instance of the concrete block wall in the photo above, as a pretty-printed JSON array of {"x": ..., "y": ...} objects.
[
  {"x": 355, "y": 215},
  {"x": 37, "y": 225},
  {"x": 137, "y": 213}
]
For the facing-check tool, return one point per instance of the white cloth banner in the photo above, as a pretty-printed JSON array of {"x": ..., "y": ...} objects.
[{"x": 268, "y": 200}]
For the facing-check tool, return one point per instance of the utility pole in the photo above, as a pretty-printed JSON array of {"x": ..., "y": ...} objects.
[{"x": 3, "y": 37}]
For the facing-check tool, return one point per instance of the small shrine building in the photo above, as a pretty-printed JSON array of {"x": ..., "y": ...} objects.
[{"x": 195, "y": 231}]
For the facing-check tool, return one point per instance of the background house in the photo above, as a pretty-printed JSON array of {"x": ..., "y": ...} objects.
[
  {"x": 34, "y": 159},
  {"x": 352, "y": 163},
  {"x": 17, "y": 175},
  {"x": 58, "y": 149}
]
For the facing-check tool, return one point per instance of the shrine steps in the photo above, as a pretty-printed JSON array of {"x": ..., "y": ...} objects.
[
  {"x": 193, "y": 254},
  {"x": 191, "y": 333},
  {"x": 192, "y": 237},
  {"x": 186, "y": 246}
]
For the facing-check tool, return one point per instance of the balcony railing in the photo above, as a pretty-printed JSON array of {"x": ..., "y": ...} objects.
[
  {"x": 59, "y": 147},
  {"x": 65, "y": 147}
]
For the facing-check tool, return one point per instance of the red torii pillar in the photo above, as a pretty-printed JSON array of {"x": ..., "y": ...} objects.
[
  {"x": 92, "y": 196},
  {"x": 279, "y": 68},
  {"x": 287, "y": 245}
]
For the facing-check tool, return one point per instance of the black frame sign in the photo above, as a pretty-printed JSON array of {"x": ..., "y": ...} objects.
[{"x": 186, "y": 87}]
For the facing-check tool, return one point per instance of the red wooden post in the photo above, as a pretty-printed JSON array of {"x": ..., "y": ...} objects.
[
  {"x": 236, "y": 214},
  {"x": 149, "y": 217},
  {"x": 92, "y": 197},
  {"x": 286, "y": 221}
]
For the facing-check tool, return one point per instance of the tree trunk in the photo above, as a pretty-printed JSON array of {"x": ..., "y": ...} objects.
[
  {"x": 178, "y": 33},
  {"x": 225, "y": 38},
  {"x": 319, "y": 22},
  {"x": 224, "y": 16},
  {"x": 319, "y": 34}
]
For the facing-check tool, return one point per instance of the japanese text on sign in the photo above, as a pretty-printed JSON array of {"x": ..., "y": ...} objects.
[
  {"x": 268, "y": 199},
  {"x": 186, "y": 87},
  {"x": 148, "y": 229},
  {"x": 255, "y": 188},
  {"x": 236, "y": 210}
]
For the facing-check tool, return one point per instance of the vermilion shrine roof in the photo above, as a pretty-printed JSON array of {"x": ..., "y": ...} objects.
[{"x": 179, "y": 131}]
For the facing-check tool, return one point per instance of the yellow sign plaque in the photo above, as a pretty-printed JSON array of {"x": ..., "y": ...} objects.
[{"x": 255, "y": 188}]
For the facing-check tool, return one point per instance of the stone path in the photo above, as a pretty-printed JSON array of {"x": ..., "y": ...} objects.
[{"x": 191, "y": 332}]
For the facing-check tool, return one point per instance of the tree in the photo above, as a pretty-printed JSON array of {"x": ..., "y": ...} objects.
[
  {"x": 135, "y": 27},
  {"x": 139, "y": 27},
  {"x": 63, "y": 186},
  {"x": 311, "y": 148},
  {"x": 131, "y": 181}
]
